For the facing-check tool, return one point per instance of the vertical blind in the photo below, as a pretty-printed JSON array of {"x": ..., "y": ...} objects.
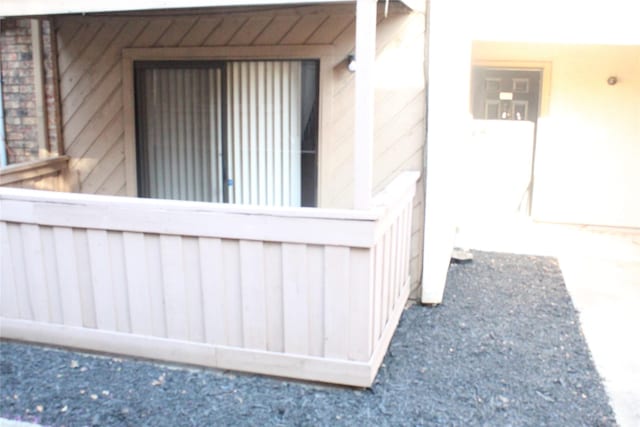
[
  {"x": 264, "y": 132},
  {"x": 181, "y": 126},
  {"x": 235, "y": 125}
]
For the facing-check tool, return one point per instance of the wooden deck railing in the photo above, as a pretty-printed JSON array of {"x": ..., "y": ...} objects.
[
  {"x": 306, "y": 293},
  {"x": 43, "y": 174}
]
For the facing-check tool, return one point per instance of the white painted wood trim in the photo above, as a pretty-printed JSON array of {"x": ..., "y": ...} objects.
[
  {"x": 29, "y": 170},
  {"x": 43, "y": 7},
  {"x": 129, "y": 120},
  {"x": 10, "y": 8},
  {"x": 366, "y": 11},
  {"x": 358, "y": 374},
  {"x": 38, "y": 80},
  {"x": 293, "y": 225}
]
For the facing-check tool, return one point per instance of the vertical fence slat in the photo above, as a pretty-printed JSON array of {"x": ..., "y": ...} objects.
[
  {"x": 211, "y": 273},
  {"x": 36, "y": 280},
  {"x": 395, "y": 263},
  {"x": 232, "y": 293},
  {"x": 405, "y": 245},
  {"x": 386, "y": 278},
  {"x": 360, "y": 309},
  {"x": 19, "y": 273},
  {"x": 316, "y": 284},
  {"x": 84, "y": 278},
  {"x": 174, "y": 292},
  {"x": 254, "y": 315},
  {"x": 193, "y": 284},
  {"x": 51, "y": 274},
  {"x": 68, "y": 276},
  {"x": 274, "y": 296},
  {"x": 295, "y": 298},
  {"x": 9, "y": 297},
  {"x": 137, "y": 283},
  {"x": 155, "y": 279},
  {"x": 99, "y": 261},
  {"x": 336, "y": 270},
  {"x": 120, "y": 297},
  {"x": 407, "y": 242},
  {"x": 377, "y": 289}
]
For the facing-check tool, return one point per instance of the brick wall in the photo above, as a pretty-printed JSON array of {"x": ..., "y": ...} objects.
[{"x": 18, "y": 89}]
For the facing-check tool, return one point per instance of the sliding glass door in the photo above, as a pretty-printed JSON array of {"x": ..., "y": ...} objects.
[{"x": 235, "y": 131}]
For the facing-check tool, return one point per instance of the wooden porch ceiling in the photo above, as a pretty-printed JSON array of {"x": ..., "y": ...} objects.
[{"x": 15, "y": 8}]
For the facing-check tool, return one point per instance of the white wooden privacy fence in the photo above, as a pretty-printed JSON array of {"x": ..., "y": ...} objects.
[{"x": 298, "y": 292}]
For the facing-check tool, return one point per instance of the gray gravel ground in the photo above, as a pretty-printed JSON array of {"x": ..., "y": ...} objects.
[{"x": 504, "y": 349}]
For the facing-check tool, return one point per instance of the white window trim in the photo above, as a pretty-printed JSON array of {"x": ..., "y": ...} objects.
[{"x": 325, "y": 53}]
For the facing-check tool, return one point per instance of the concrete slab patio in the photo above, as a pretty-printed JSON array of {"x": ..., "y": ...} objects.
[{"x": 601, "y": 267}]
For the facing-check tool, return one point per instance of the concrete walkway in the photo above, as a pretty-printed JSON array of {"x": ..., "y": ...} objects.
[{"x": 601, "y": 268}]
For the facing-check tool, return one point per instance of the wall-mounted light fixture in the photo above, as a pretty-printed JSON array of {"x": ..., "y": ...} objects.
[
  {"x": 351, "y": 63},
  {"x": 612, "y": 80}
]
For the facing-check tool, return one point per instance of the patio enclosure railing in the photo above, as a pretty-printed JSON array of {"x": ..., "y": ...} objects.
[{"x": 298, "y": 292}]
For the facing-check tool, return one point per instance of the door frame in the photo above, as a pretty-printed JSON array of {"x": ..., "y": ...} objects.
[
  {"x": 323, "y": 53},
  {"x": 544, "y": 100},
  {"x": 545, "y": 84}
]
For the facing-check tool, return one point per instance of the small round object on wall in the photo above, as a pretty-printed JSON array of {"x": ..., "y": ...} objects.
[{"x": 612, "y": 80}]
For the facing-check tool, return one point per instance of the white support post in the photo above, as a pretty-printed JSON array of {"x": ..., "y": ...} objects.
[
  {"x": 448, "y": 123},
  {"x": 363, "y": 145}
]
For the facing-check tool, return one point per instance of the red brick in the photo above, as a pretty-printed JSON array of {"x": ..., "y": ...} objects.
[{"x": 13, "y": 136}]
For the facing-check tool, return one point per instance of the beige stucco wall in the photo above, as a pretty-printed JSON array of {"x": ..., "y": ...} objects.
[{"x": 588, "y": 144}]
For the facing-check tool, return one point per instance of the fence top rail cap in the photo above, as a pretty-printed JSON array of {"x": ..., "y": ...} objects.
[{"x": 403, "y": 183}]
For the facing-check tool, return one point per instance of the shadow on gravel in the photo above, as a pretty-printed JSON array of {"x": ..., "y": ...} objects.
[{"x": 505, "y": 348}]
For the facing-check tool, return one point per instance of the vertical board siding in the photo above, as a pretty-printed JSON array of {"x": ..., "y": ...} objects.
[
  {"x": 317, "y": 304},
  {"x": 274, "y": 296},
  {"x": 232, "y": 293},
  {"x": 137, "y": 283},
  {"x": 9, "y": 296},
  {"x": 87, "y": 304},
  {"x": 360, "y": 309},
  {"x": 254, "y": 316},
  {"x": 211, "y": 274},
  {"x": 391, "y": 268},
  {"x": 319, "y": 301},
  {"x": 155, "y": 278},
  {"x": 336, "y": 314},
  {"x": 20, "y": 276},
  {"x": 69, "y": 284},
  {"x": 176, "y": 310},
  {"x": 121, "y": 299},
  {"x": 51, "y": 273},
  {"x": 193, "y": 288},
  {"x": 35, "y": 274},
  {"x": 295, "y": 296},
  {"x": 99, "y": 262}
]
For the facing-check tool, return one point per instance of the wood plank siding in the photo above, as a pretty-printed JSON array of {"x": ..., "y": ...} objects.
[
  {"x": 94, "y": 106},
  {"x": 292, "y": 293}
]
